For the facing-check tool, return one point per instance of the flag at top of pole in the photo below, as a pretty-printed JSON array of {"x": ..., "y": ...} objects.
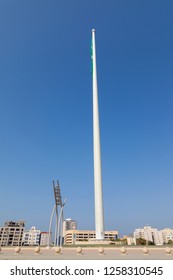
[{"x": 99, "y": 219}]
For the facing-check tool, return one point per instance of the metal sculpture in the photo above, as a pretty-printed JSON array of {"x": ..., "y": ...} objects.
[{"x": 58, "y": 210}]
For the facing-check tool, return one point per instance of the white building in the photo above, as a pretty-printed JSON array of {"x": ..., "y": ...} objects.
[
  {"x": 149, "y": 234},
  {"x": 167, "y": 235},
  {"x": 131, "y": 240},
  {"x": 69, "y": 224},
  {"x": 44, "y": 239},
  {"x": 31, "y": 237}
]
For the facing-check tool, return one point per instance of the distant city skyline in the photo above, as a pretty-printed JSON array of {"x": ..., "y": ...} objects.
[
  {"x": 14, "y": 233},
  {"x": 46, "y": 111}
]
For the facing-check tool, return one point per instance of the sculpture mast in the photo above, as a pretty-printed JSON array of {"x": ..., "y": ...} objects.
[{"x": 99, "y": 219}]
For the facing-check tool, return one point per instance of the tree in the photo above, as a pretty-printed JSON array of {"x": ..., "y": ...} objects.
[
  {"x": 140, "y": 241},
  {"x": 150, "y": 243}
]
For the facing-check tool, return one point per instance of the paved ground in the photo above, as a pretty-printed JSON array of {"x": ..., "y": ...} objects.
[{"x": 132, "y": 253}]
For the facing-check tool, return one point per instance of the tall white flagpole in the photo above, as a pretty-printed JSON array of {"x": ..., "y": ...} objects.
[{"x": 99, "y": 219}]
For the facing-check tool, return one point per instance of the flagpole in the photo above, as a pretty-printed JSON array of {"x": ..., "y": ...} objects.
[{"x": 99, "y": 219}]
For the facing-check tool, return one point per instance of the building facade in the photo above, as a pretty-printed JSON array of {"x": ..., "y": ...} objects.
[
  {"x": 167, "y": 235},
  {"x": 31, "y": 237},
  {"x": 44, "y": 238},
  {"x": 149, "y": 234},
  {"x": 81, "y": 236},
  {"x": 131, "y": 240},
  {"x": 69, "y": 224},
  {"x": 11, "y": 233}
]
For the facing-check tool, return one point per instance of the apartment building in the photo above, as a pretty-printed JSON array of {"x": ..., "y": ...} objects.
[
  {"x": 167, "y": 235},
  {"x": 149, "y": 234},
  {"x": 11, "y": 233},
  {"x": 69, "y": 224},
  {"x": 44, "y": 238},
  {"x": 31, "y": 237}
]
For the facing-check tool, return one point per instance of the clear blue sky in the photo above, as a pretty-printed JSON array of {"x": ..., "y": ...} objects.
[{"x": 46, "y": 110}]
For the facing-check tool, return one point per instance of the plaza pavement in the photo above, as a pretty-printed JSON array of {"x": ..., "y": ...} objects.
[{"x": 88, "y": 253}]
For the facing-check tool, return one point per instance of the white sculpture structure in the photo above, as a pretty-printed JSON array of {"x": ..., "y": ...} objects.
[{"x": 58, "y": 237}]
